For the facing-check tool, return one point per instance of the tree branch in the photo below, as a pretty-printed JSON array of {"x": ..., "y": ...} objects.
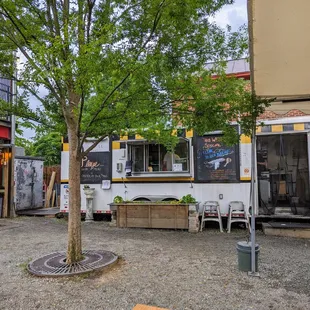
[
  {"x": 155, "y": 24},
  {"x": 91, "y": 4},
  {"x": 55, "y": 15},
  {"x": 103, "y": 104},
  {"x": 35, "y": 9},
  {"x": 16, "y": 26},
  {"x": 81, "y": 113},
  {"x": 49, "y": 18},
  {"x": 93, "y": 145},
  {"x": 33, "y": 64}
]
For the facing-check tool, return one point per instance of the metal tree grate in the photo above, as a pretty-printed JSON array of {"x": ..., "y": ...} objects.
[{"x": 54, "y": 264}]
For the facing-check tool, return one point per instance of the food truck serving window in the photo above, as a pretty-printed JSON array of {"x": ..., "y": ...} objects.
[
  {"x": 151, "y": 157},
  {"x": 215, "y": 161}
]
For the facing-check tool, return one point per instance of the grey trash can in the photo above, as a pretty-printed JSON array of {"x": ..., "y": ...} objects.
[{"x": 244, "y": 255}]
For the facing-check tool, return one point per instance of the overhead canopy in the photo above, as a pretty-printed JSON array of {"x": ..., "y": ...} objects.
[{"x": 280, "y": 47}]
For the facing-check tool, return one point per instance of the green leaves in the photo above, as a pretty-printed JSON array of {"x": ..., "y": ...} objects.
[
  {"x": 188, "y": 199},
  {"x": 106, "y": 66},
  {"x": 46, "y": 145}
]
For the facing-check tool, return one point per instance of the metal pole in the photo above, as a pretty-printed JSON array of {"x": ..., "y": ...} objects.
[
  {"x": 253, "y": 271},
  {"x": 14, "y": 100},
  {"x": 13, "y": 128}
]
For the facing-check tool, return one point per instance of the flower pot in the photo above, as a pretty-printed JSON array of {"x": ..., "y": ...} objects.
[
  {"x": 89, "y": 192},
  {"x": 193, "y": 206}
]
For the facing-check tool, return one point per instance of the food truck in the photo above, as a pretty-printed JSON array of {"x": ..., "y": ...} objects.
[
  {"x": 140, "y": 170},
  {"x": 203, "y": 166}
]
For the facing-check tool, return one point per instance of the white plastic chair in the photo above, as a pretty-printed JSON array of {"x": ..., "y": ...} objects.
[
  {"x": 237, "y": 213},
  {"x": 211, "y": 212}
]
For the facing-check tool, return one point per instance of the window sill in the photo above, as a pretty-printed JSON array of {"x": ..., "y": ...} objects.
[{"x": 161, "y": 174}]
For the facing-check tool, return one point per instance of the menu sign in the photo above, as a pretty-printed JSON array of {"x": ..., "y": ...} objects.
[
  {"x": 95, "y": 167},
  {"x": 215, "y": 161}
]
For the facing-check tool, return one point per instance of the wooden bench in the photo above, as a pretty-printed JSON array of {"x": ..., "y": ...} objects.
[{"x": 145, "y": 307}]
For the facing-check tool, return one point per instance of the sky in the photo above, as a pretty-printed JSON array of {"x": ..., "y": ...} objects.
[{"x": 234, "y": 15}]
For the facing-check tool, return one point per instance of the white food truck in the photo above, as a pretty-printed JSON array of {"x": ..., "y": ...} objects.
[{"x": 136, "y": 169}]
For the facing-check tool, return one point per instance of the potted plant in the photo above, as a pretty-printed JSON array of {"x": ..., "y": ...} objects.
[
  {"x": 190, "y": 200},
  {"x": 118, "y": 199},
  {"x": 89, "y": 192}
]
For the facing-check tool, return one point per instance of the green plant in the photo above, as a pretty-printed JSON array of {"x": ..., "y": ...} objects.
[
  {"x": 118, "y": 199},
  {"x": 188, "y": 199},
  {"x": 174, "y": 202},
  {"x": 86, "y": 186}
]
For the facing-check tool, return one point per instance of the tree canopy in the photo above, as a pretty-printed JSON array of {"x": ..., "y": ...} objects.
[{"x": 113, "y": 65}]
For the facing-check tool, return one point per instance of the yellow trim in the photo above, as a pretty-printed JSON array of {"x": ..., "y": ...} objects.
[
  {"x": 245, "y": 139},
  {"x": 299, "y": 126},
  {"x": 64, "y": 181},
  {"x": 189, "y": 133},
  {"x": 259, "y": 129},
  {"x": 245, "y": 178},
  {"x": 138, "y": 137},
  {"x": 146, "y": 179},
  {"x": 116, "y": 145},
  {"x": 65, "y": 147},
  {"x": 123, "y": 138},
  {"x": 276, "y": 128},
  {"x": 174, "y": 132}
]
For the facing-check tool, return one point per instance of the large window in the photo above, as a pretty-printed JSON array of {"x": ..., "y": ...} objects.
[{"x": 149, "y": 157}]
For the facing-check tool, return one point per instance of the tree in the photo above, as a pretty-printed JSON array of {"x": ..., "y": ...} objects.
[
  {"x": 111, "y": 65},
  {"x": 26, "y": 144},
  {"x": 46, "y": 143},
  {"x": 48, "y": 146}
]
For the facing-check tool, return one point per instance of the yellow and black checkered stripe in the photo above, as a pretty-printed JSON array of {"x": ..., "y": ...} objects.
[
  {"x": 65, "y": 144},
  {"x": 294, "y": 127},
  {"x": 118, "y": 141}
]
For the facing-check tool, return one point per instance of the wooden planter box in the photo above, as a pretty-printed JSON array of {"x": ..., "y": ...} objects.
[{"x": 152, "y": 215}]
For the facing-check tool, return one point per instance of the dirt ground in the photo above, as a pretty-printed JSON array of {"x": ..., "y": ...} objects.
[{"x": 164, "y": 268}]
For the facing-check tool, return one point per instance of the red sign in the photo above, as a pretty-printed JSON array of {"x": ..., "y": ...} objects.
[{"x": 5, "y": 132}]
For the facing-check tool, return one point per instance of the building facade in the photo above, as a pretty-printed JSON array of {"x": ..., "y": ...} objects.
[{"x": 6, "y": 153}]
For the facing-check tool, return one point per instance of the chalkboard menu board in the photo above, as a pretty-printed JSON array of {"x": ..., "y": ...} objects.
[
  {"x": 95, "y": 167},
  {"x": 215, "y": 161}
]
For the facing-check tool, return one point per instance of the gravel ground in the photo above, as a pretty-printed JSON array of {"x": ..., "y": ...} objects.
[{"x": 164, "y": 268}]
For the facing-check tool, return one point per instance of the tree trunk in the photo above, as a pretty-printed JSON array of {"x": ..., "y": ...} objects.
[{"x": 74, "y": 252}]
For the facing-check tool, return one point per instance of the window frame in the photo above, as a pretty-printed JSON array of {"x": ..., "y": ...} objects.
[{"x": 146, "y": 154}]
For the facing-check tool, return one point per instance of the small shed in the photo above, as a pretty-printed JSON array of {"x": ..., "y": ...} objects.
[{"x": 28, "y": 177}]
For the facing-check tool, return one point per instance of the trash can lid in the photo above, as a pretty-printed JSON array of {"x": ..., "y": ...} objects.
[{"x": 244, "y": 245}]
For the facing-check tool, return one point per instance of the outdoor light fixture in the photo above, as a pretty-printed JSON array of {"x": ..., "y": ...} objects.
[{"x": 2, "y": 159}]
